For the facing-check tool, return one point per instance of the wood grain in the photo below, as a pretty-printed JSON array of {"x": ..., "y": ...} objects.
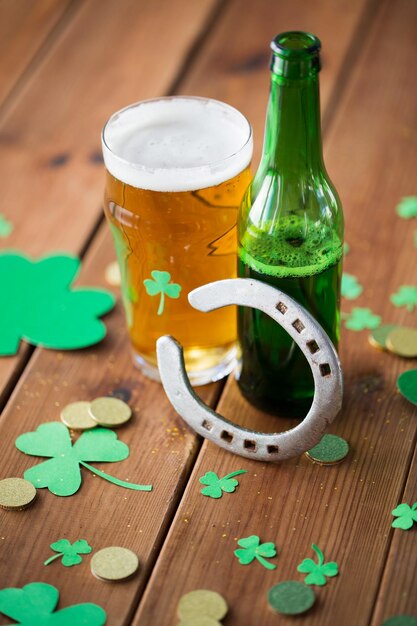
[
  {"x": 344, "y": 509},
  {"x": 111, "y": 54},
  {"x": 25, "y": 25},
  {"x": 162, "y": 452},
  {"x": 234, "y": 67}
]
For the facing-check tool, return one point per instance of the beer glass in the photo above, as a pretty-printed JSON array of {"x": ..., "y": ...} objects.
[{"x": 176, "y": 171}]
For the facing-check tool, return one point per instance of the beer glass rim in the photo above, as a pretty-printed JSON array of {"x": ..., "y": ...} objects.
[{"x": 140, "y": 167}]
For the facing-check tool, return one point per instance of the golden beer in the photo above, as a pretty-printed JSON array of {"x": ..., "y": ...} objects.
[{"x": 171, "y": 199}]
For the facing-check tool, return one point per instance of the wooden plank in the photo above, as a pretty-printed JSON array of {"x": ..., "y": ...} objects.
[
  {"x": 52, "y": 175},
  {"x": 235, "y": 65},
  {"x": 396, "y": 595},
  {"x": 344, "y": 509},
  {"x": 24, "y": 27},
  {"x": 161, "y": 453}
]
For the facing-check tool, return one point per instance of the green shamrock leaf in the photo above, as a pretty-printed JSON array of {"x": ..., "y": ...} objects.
[
  {"x": 405, "y": 296},
  {"x": 62, "y": 474},
  {"x": 216, "y": 485},
  {"x": 69, "y": 552},
  {"x": 351, "y": 288},
  {"x": 34, "y": 605},
  {"x": 407, "y": 208},
  {"x": 406, "y": 516},
  {"x": 160, "y": 284},
  {"x": 6, "y": 227},
  {"x": 254, "y": 549},
  {"x": 40, "y": 306},
  {"x": 318, "y": 572},
  {"x": 360, "y": 318}
]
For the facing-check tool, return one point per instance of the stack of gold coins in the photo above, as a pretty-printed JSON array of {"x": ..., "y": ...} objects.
[{"x": 202, "y": 607}]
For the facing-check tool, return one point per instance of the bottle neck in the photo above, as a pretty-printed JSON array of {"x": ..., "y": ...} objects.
[{"x": 292, "y": 142}]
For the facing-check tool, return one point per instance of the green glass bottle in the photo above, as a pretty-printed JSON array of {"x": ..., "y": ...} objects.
[{"x": 290, "y": 231}]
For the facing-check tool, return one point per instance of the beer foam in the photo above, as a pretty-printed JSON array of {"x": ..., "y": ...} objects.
[{"x": 177, "y": 144}]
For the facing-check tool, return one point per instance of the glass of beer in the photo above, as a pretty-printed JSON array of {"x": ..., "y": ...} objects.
[{"x": 176, "y": 171}]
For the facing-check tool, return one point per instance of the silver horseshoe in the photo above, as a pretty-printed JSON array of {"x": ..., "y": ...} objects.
[{"x": 303, "y": 329}]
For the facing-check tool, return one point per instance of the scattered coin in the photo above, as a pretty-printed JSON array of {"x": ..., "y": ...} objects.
[
  {"x": 77, "y": 416},
  {"x": 407, "y": 385},
  {"x": 16, "y": 493},
  {"x": 378, "y": 336},
  {"x": 109, "y": 411},
  {"x": 114, "y": 563},
  {"x": 291, "y": 598},
  {"x": 403, "y": 341},
  {"x": 199, "y": 620},
  {"x": 202, "y": 602},
  {"x": 112, "y": 274},
  {"x": 329, "y": 451}
]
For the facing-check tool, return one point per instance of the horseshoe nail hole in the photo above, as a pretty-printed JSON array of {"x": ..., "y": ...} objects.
[
  {"x": 298, "y": 325},
  {"x": 250, "y": 445},
  {"x": 313, "y": 346},
  {"x": 325, "y": 369},
  {"x": 226, "y": 436},
  {"x": 282, "y": 308},
  {"x": 272, "y": 449},
  {"x": 207, "y": 425}
]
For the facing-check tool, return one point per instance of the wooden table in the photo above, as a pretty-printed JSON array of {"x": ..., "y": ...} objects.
[{"x": 65, "y": 65}]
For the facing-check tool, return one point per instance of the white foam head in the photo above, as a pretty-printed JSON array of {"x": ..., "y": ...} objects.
[{"x": 177, "y": 144}]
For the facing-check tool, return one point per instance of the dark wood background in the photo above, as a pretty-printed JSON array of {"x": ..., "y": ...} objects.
[{"x": 65, "y": 66}]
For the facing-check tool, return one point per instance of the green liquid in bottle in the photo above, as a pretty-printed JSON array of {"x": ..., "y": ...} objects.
[{"x": 275, "y": 373}]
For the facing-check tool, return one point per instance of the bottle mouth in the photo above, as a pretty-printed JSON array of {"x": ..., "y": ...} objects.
[
  {"x": 295, "y": 43},
  {"x": 295, "y": 54}
]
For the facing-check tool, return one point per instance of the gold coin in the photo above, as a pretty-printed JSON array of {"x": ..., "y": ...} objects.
[
  {"x": 112, "y": 274},
  {"x": 77, "y": 416},
  {"x": 16, "y": 493},
  {"x": 202, "y": 602},
  {"x": 403, "y": 341},
  {"x": 378, "y": 336},
  {"x": 114, "y": 563},
  {"x": 199, "y": 620},
  {"x": 110, "y": 411}
]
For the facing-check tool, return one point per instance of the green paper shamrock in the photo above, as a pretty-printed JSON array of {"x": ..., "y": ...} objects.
[
  {"x": 61, "y": 474},
  {"x": 406, "y": 516},
  {"x": 160, "y": 284},
  {"x": 317, "y": 572},
  {"x": 69, "y": 552},
  {"x": 407, "y": 208},
  {"x": 34, "y": 605},
  {"x": 405, "y": 296},
  {"x": 39, "y": 305},
  {"x": 351, "y": 288},
  {"x": 6, "y": 227},
  {"x": 360, "y": 318},
  {"x": 216, "y": 485},
  {"x": 254, "y": 549}
]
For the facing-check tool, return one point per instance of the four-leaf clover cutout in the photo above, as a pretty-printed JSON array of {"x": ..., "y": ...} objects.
[
  {"x": 34, "y": 605},
  {"x": 405, "y": 296},
  {"x": 40, "y": 306},
  {"x": 318, "y": 572},
  {"x": 61, "y": 474},
  {"x": 161, "y": 285},
  {"x": 215, "y": 485},
  {"x": 406, "y": 516},
  {"x": 252, "y": 548},
  {"x": 70, "y": 552}
]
